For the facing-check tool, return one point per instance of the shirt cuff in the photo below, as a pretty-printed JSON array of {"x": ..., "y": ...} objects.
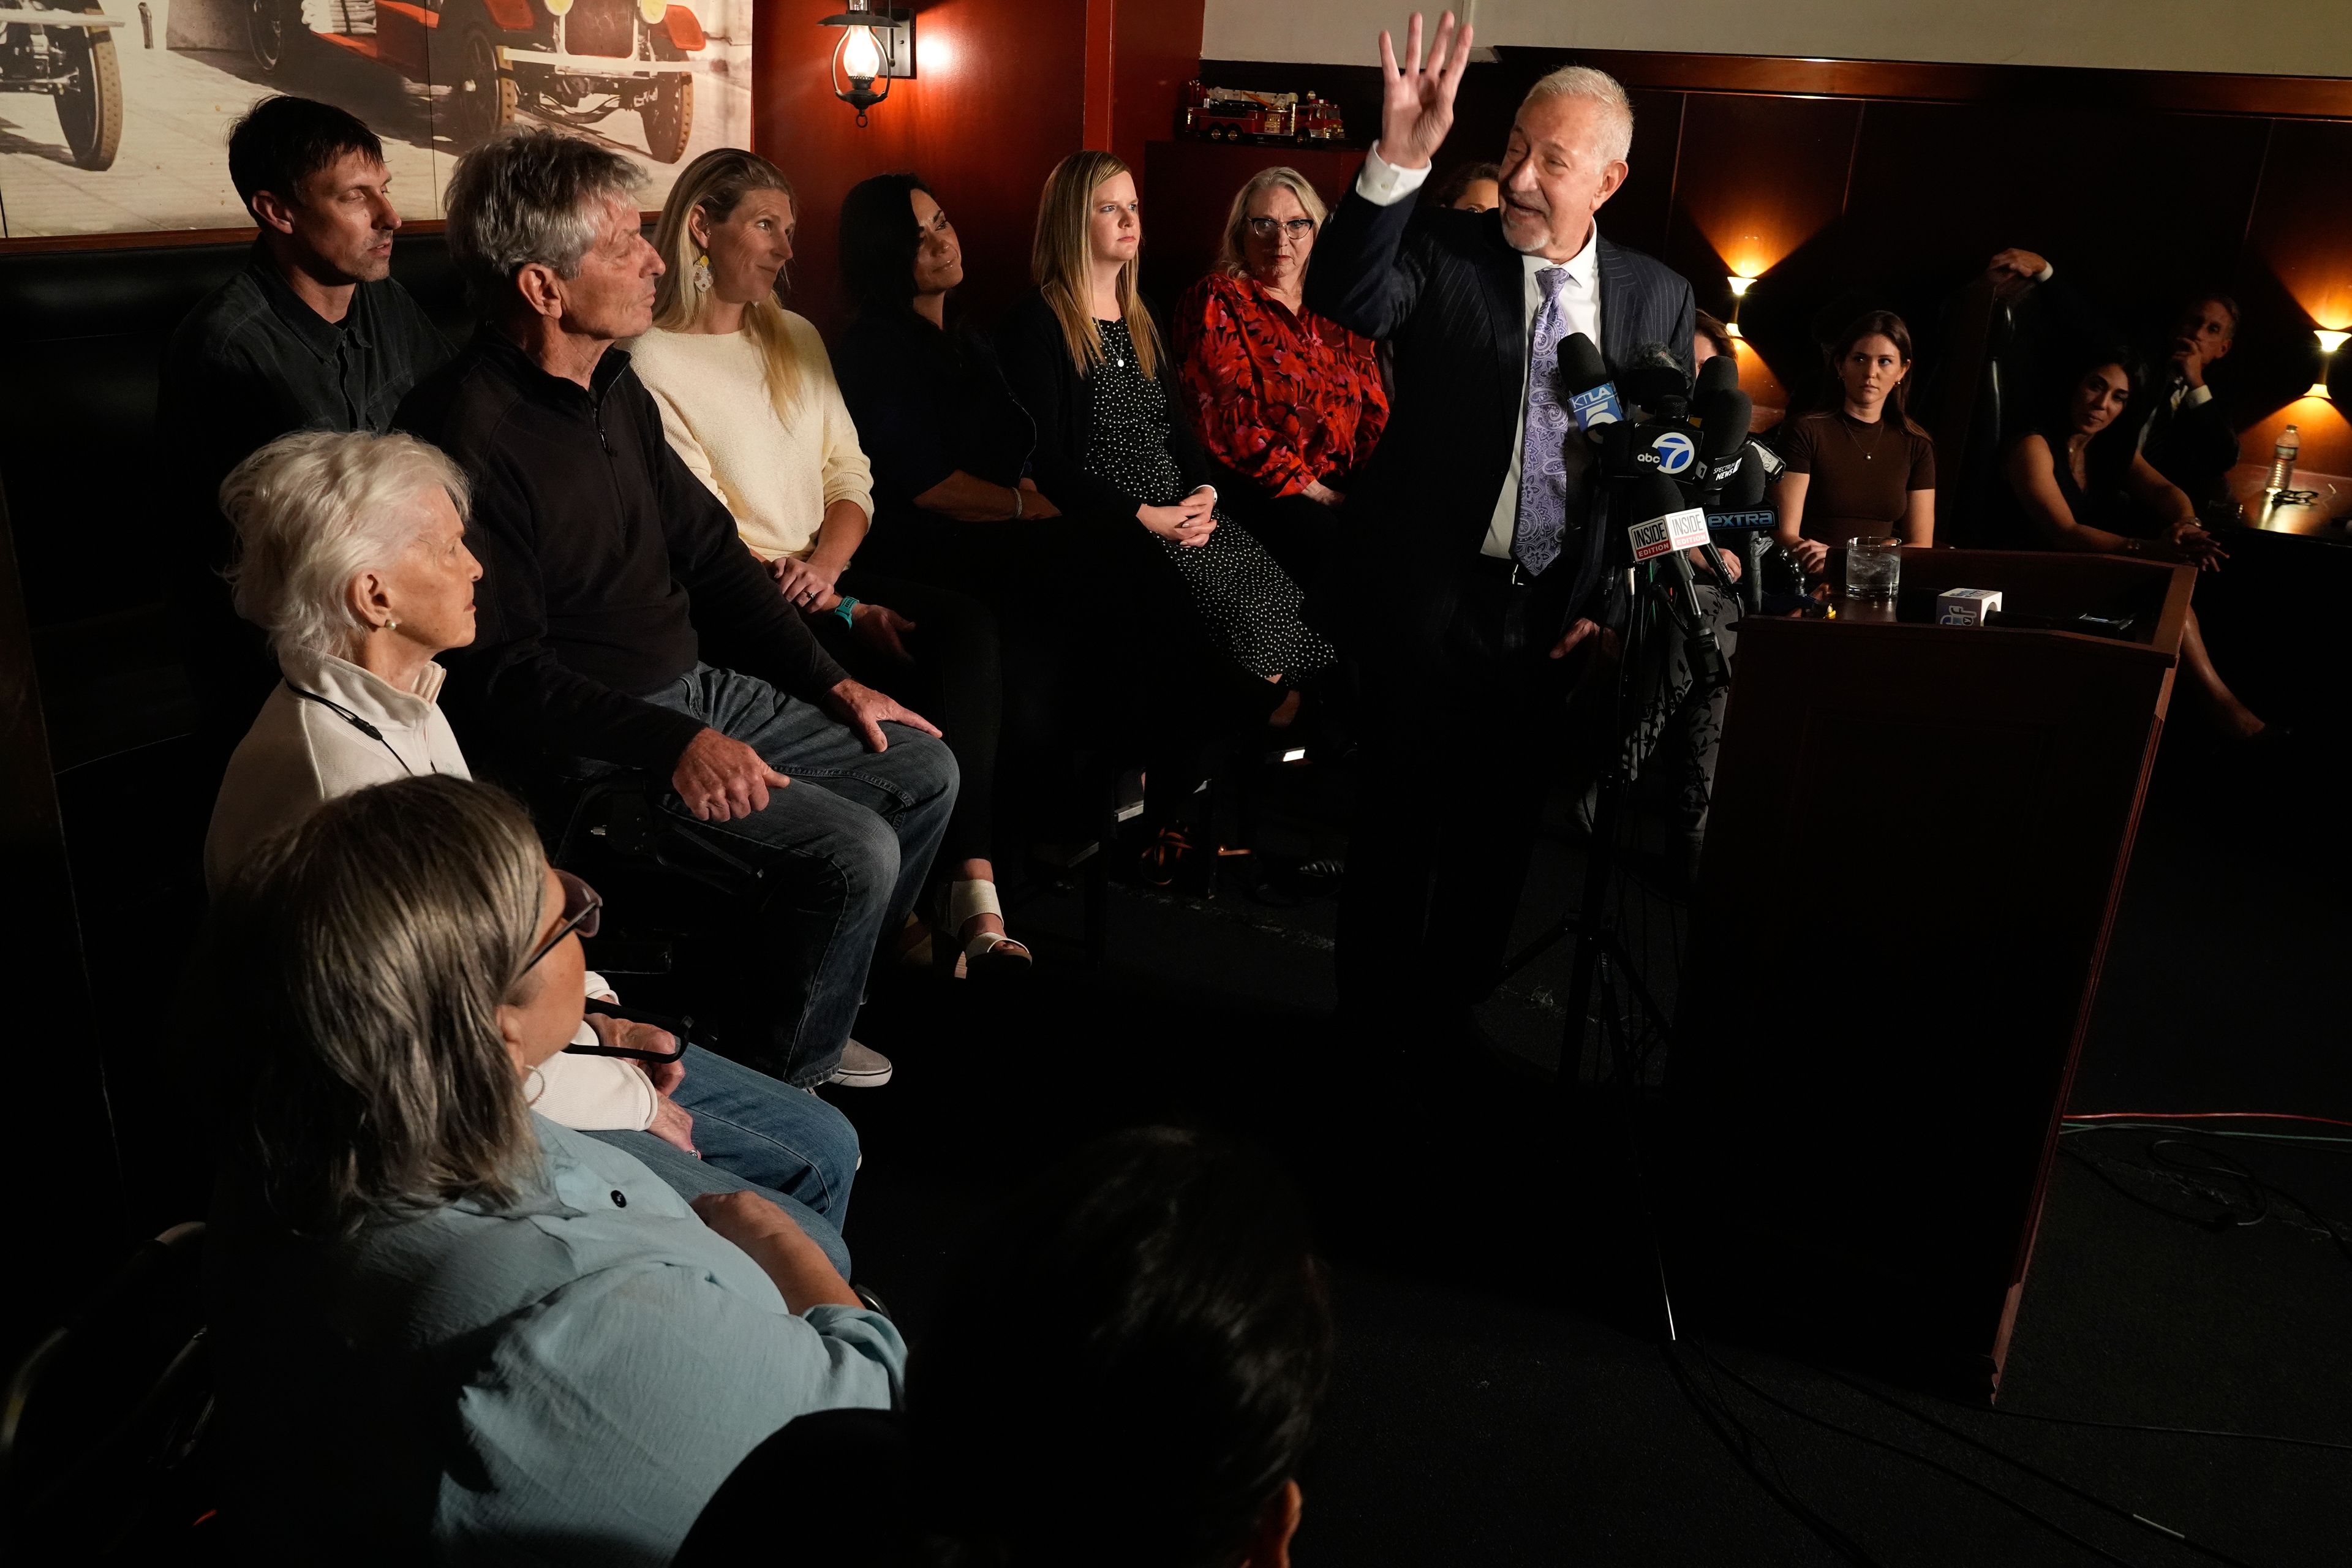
[
  {"x": 1384, "y": 184},
  {"x": 2198, "y": 397},
  {"x": 2049, "y": 270}
]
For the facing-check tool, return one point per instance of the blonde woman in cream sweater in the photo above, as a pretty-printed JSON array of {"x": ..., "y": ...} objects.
[{"x": 749, "y": 400}]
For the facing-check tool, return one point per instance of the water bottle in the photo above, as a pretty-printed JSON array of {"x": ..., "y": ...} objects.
[{"x": 2283, "y": 456}]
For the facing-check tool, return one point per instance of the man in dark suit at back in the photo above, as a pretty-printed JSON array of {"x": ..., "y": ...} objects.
[{"x": 1469, "y": 594}]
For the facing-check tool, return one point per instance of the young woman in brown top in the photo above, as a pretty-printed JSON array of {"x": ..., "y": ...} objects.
[{"x": 1862, "y": 469}]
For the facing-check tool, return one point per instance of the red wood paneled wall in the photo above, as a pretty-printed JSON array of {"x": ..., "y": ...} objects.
[
  {"x": 996, "y": 102},
  {"x": 1846, "y": 186}
]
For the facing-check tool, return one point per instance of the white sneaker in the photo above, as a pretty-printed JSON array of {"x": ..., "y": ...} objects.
[{"x": 861, "y": 1067}]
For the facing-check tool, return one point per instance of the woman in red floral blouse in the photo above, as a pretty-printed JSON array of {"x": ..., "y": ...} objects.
[{"x": 1288, "y": 403}]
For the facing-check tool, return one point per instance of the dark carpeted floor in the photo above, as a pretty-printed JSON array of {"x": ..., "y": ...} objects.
[{"x": 1504, "y": 1396}]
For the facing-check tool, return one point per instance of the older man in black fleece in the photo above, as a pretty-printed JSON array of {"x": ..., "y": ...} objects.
[{"x": 606, "y": 567}]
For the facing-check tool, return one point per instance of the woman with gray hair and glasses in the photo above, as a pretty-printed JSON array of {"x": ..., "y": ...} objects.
[
  {"x": 351, "y": 556},
  {"x": 447, "y": 1329},
  {"x": 1286, "y": 402}
]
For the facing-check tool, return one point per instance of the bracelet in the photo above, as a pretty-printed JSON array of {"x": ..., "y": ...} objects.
[
  {"x": 1019, "y": 506},
  {"x": 843, "y": 609}
]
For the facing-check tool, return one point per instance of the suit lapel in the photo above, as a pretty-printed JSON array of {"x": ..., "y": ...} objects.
[
  {"x": 1620, "y": 333},
  {"x": 1506, "y": 306}
]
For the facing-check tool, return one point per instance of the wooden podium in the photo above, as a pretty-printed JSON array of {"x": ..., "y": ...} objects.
[{"x": 1918, "y": 839}]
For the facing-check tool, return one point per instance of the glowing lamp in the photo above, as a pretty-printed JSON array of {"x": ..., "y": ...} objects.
[
  {"x": 876, "y": 45},
  {"x": 2328, "y": 343},
  {"x": 1739, "y": 286},
  {"x": 1731, "y": 330}
]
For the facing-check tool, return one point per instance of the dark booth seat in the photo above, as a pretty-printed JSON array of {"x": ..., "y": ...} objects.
[{"x": 81, "y": 467}]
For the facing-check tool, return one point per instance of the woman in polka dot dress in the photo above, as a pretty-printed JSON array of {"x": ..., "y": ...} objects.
[{"x": 1082, "y": 353}]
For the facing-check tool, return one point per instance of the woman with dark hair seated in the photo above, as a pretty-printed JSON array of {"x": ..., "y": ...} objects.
[
  {"x": 1864, "y": 469},
  {"x": 953, "y": 502},
  {"x": 1286, "y": 403},
  {"x": 2072, "y": 486},
  {"x": 445, "y": 1328},
  {"x": 1160, "y": 1426}
]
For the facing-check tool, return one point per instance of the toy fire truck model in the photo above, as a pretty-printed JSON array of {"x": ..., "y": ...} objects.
[{"x": 1230, "y": 114}]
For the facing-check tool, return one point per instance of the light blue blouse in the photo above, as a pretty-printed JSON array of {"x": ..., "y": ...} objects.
[{"x": 566, "y": 1379}]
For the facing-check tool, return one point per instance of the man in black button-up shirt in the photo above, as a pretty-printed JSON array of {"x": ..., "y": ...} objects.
[
  {"x": 611, "y": 580},
  {"x": 312, "y": 335}
]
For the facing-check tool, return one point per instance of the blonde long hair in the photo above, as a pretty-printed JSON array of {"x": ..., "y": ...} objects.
[
  {"x": 716, "y": 183},
  {"x": 1062, "y": 263},
  {"x": 1232, "y": 256}
]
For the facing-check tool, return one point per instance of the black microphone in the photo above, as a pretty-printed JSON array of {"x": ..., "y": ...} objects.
[
  {"x": 1720, "y": 374},
  {"x": 1723, "y": 417},
  {"x": 1664, "y": 523},
  {"x": 1666, "y": 526},
  {"x": 1592, "y": 397},
  {"x": 1755, "y": 477},
  {"x": 1655, "y": 381},
  {"x": 1723, "y": 413}
]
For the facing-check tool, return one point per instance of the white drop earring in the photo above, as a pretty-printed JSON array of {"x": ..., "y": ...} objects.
[{"x": 702, "y": 274}]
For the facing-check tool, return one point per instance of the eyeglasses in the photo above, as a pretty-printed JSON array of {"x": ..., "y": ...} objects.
[
  {"x": 1296, "y": 227},
  {"x": 583, "y": 912}
]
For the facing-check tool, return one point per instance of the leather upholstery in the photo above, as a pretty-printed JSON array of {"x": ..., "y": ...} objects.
[
  {"x": 81, "y": 342},
  {"x": 79, "y": 362}
]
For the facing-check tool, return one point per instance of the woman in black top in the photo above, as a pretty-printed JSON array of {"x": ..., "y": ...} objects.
[
  {"x": 953, "y": 506},
  {"x": 2076, "y": 484}
]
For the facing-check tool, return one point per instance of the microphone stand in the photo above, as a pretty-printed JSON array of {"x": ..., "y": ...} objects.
[{"x": 1600, "y": 957}]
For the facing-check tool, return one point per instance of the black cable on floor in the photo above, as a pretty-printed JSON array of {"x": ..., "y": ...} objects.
[
  {"x": 2034, "y": 1470},
  {"x": 2174, "y": 1431},
  {"x": 2024, "y": 1511},
  {"x": 1723, "y": 1423}
]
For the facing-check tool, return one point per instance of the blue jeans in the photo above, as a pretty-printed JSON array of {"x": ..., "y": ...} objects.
[
  {"x": 759, "y": 1135},
  {"x": 846, "y": 847}
]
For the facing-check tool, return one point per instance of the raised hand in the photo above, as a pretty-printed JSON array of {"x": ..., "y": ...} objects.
[{"x": 1417, "y": 102}]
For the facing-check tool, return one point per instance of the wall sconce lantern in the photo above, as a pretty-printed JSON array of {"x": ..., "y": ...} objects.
[
  {"x": 1739, "y": 287},
  {"x": 2328, "y": 343},
  {"x": 875, "y": 46}
]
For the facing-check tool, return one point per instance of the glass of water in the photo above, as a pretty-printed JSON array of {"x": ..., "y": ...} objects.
[{"x": 1873, "y": 570}]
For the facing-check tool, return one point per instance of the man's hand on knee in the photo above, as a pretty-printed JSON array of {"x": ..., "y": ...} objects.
[
  {"x": 865, "y": 710},
  {"x": 722, "y": 779}
]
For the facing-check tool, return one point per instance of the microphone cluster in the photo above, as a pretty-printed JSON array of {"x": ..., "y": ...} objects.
[{"x": 1678, "y": 455}]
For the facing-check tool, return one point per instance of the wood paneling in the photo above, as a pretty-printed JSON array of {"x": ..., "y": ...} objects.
[
  {"x": 995, "y": 104},
  {"x": 2180, "y": 91},
  {"x": 2143, "y": 185},
  {"x": 1155, "y": 50},
  {"x": 1191, "y": 187}
]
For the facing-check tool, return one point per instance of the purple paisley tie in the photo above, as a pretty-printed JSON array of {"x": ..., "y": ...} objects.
[{"x": 1543, "y": 461}]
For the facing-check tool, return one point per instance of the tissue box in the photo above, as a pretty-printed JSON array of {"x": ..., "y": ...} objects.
[{"x": 1965, "y": 606}]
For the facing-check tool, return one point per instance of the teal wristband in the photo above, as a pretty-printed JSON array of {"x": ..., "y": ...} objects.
[{"x": 843, "y": 609}]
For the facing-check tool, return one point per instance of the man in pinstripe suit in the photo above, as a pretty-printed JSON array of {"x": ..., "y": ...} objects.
[{"x": 1469, "y": 590}]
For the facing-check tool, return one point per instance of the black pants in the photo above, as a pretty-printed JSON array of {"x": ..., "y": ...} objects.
[
  {"x": 1458, "y": 759},
  {"x": 1101, "y": 649},
  {"x": 956, "y": 681}
]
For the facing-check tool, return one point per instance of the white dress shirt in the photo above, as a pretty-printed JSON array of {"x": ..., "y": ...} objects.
[{"x": 1384, "y": 184}]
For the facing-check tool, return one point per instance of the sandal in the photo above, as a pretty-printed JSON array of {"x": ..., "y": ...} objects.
[{"x": 990, "y": 955}]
